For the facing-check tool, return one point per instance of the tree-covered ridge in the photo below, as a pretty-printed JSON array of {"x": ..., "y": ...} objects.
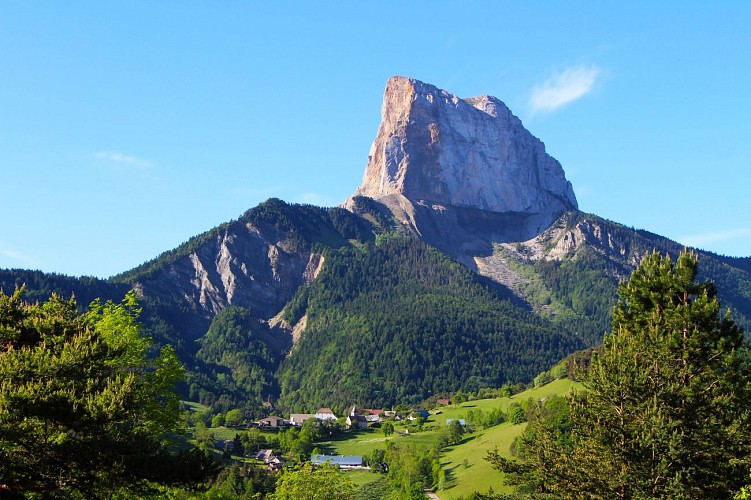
[
  {"x": 578, "y": 290},
  {"x": 305, "y": 226},
  {"x": 170, "y": 256},
  {"x": 397, "y": 321},
  {"x": 237, "y": 359},
  {"x": 300, "y": 225},
  {"x": 41, "y": 286}
]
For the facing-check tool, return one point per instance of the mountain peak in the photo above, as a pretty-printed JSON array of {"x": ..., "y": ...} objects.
[{"x": 433, "y": 147}]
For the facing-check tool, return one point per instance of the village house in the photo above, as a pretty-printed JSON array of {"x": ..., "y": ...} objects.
[
  {"x": 264, "y": 455},
  {"x": 354, "y": 411},
  {"x": 299, "y": 418},
  {"x": 359, "y": 418},
  {"x": 372, "y": 419},
  {"x": 356, "y": 422},
  {"x": 418, "y": 414},
  {"x": 325, "y": 414},
  {"x": 273, "y": 462},
  {"x": 272, "y": 422},
  {"x": 341, "y": 461}
]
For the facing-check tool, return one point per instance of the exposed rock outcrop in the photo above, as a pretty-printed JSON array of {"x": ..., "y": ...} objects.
[
  {"x": 438, "y": 150},
  {"x": 242, "y": 266},
  {"x": 463, "y": 174}
]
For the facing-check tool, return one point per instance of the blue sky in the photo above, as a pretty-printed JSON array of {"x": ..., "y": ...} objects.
[{"x": 128, "y": 127}]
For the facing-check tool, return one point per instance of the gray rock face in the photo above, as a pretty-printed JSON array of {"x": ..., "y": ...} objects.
[
  {"x": 437, "y": 149},
  {"x": 242, "y": 266}
]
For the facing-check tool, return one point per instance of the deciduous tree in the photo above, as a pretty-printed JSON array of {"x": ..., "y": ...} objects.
[
  {"x": 82, "y": 407},
  {"x": 313, "y": 483}
]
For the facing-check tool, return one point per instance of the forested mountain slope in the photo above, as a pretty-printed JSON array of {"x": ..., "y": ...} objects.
[
  {"x": 396, "y": 321},
  {"x": 380, "y": 316},
  {"x": 571, "y": 270}
]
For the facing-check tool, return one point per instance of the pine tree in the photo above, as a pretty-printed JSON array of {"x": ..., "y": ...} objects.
[
  {"x": 665, "y": 413},
  {"x": 665, "y": 410}
]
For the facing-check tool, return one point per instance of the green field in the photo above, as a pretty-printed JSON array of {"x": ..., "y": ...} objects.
[
  {"x": 465, "y": 466},
  {"x": 466, "y": 469},
  {"x": 363, "y": 442}
]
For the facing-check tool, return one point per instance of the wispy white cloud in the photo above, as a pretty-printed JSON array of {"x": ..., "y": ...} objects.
[
  {"x": 19, "y": 259},
  {"x": 564, "y": 88},
  {"x": 123, "y": 159},
  {"x": 703, "y": 239}
]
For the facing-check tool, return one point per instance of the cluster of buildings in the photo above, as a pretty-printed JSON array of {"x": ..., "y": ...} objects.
[
  {"x": 357, "y": 418},
  {"x": 275, "y": 463}
]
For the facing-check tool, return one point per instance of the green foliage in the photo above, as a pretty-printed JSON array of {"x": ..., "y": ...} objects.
[
  {"x": 666, "y": 409},
  {"x": 547, "y": 435},
  {"x": 82, "y": 407},
  {"x": 454, "y": 432},
  {"x": 313, "y": 483},
  {"x": 233, "y": 418},
  {"x": 238, "y": 357},
  {"x": 397, "y": 321},
  {"x": 387, "y": 428},
  {"x": 237, "y": 482},
  {"x": 485, "y": 419},
  {"x": 299, "y": 442},
  {"x": 516, "y": 413},
  {"x": 217, "y": 420},
  {"x": 374, "y": 490},
  {"x": 40, "y": 286},
  {"x": 560, "y": 370},
  {"x": 305, "y": 226},
  {"x": 411, "y": 470},
  {"x": 744, "y": 493}
]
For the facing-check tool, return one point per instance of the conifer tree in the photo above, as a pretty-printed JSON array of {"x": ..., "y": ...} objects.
[{"x": 665, "y": 413}]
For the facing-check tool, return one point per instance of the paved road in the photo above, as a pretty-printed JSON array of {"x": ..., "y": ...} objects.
[{"x": 431, "y": 495}]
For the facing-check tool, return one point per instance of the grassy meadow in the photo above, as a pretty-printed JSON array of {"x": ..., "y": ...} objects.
[
  {"x": 466, "y": 468},
  {"x": 467, "y": 471}
]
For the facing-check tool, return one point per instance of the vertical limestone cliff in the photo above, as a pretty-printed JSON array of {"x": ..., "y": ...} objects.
[{"x": 434, "y": 148}]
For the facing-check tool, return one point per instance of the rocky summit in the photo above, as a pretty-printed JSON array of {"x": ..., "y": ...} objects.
[
  {"x": 462, "y": 174},
  {"x": 437, "y": 150}
]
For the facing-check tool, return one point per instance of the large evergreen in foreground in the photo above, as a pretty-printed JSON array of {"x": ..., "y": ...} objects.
[{"x": 665, "y": 413}]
